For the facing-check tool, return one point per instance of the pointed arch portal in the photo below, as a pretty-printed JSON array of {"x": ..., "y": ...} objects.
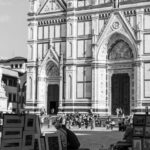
[
  {"x": 52, "y": 72},
  {"x": 53, "y": 98},
  {"x": 120, "y": 93}
]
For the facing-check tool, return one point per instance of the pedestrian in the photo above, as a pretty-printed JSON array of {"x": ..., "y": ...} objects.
[
  {"x": 120, "y": 112},
  {"x": 126, "y": 143},
  {"x": 62, "y": 133},
  {"x": 112, "y": 124},
  {"x": 72, "y": 140},
  {"x": 92, "y": 122},
  {"x": 117, "y": 112},
  {"x": 42, "y": 111}
]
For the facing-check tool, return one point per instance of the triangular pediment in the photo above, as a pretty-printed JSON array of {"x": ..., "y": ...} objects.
[
  {"x": 117, "y": 28},
  {"x": 117, "y": 23},
  {"x": 51, "y": 6},
  {"x": 51, "y": 55}
]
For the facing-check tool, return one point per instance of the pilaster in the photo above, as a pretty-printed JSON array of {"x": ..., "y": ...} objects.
[
  {"x": 140, "y": 28},
  {"x": 32, "y": 40},
  {"x": 71, "y": 54},
  {"x": 137, "y": 85},
  {"x": 61, "y": 82},
  {"x": 32, "y": 64}
]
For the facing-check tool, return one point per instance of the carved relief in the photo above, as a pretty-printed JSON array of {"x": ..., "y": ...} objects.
[
  {"x": 52, "y": 70},
  {"x": 120, "y": 50},
  {"x": 116, "y": 25},
  {"x": 70, "y": 4}
]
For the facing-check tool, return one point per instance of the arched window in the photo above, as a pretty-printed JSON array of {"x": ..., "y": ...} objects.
[
  {"x": 70, "y": 87},
  {"x": 30, "y": 88}
]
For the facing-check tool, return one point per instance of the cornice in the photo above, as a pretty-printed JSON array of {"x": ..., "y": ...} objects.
[
  {"x": 45, "y": 16},
  {"x": 83, "y": 15},
  {"x": 48, "y": 21},
  {"x": 94, "y": 10},
  {"x": 147, "y": 10}
]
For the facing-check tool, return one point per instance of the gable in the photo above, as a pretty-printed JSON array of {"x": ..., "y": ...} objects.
[
  {"x": 117, "y": 28},
  {"x": 51, "y": 6}
]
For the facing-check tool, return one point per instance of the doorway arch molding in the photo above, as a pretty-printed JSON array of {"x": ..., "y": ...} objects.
[{"x": 104, "y": 45}]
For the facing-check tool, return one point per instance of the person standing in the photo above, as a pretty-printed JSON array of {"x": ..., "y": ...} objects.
[
  {"x": 73, "y": 142},
  {"x": 62, "y": 133}
]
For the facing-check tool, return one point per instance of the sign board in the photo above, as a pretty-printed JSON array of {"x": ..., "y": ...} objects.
[{"x": 53, "y": 141}]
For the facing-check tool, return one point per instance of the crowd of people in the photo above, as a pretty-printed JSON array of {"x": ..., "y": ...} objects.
[
  {"x": 94, "y": 120},
  {"x": 91, "y": 120}
]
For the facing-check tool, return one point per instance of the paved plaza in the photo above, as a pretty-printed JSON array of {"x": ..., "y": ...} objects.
[{"x": 93, "y": 139}]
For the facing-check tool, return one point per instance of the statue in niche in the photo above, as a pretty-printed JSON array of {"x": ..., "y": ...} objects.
[
  {"x": 120, "y": 50},
  {"x": 115, "y": 3},
  {"x": 52, "y": 70}
]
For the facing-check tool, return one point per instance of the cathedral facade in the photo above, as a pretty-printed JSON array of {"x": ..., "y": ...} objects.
[{"x": 88, "y": 55}]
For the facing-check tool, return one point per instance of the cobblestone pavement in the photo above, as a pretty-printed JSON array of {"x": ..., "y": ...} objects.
[{"x": 93, "y": 139}]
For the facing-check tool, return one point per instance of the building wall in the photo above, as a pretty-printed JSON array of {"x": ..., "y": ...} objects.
[
  {"x": 77, "y": 37},
  {"x": 14, "y": 79}
]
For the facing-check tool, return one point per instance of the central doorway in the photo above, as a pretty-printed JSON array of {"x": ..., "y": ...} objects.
[
  {"x": 53, "y": 99},
  {"x": 120, "y": 93}
]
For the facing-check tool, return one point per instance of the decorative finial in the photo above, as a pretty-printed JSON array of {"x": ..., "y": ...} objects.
[{"x": 115, "y": 4}]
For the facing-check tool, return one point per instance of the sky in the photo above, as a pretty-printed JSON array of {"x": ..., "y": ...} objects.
[{"x": 13, "y": 28}]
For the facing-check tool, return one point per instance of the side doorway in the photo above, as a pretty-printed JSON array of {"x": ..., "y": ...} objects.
[{"x": 53, "y": 99}]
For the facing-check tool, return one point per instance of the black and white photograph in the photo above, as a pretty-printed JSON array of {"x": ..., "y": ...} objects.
[
  {"x": 28, "y": 140},
  {"x": 13, "y": 120},
  {"x": 146, "y": 144},
  {"x": 148, "y": 120},
  {"x": 139, "y": 120},
  {"x": 53, "y": 141},
  {"x": 11, "y": 144},
  {"x": 147, "y": 132},
  {"x": 10, "y": 133},
  {"x": 138, "y": 131},
  {"x": 30, "y": 122},
  {"x": 137, "y": 144},
  {"x": 77, "y": 68}
]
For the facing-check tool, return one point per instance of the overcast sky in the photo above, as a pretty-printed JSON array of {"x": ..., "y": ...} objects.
[{"x": 13, "y": 28}]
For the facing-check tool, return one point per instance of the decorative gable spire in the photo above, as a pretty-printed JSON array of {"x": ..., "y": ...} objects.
[
  {"x": 33, "y": 6},
  {"x": 51, "y": 6},
  {"x": 115, "y": 4}
]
